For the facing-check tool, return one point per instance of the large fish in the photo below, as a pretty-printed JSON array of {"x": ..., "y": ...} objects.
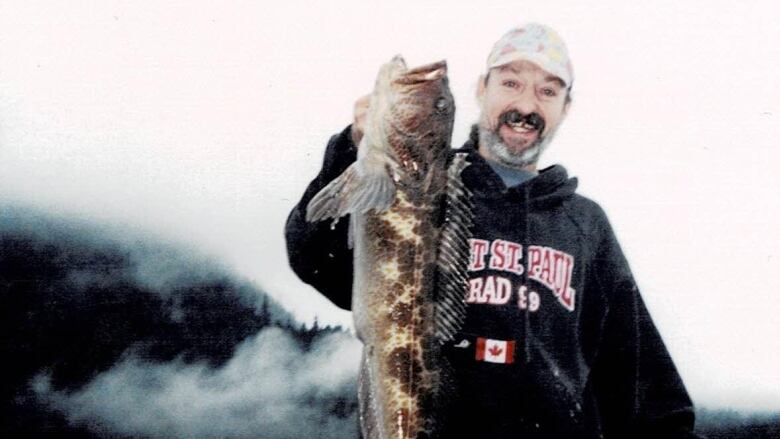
[{"x": 409, "y": 224}]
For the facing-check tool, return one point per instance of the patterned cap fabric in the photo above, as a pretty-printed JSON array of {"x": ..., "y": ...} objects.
[{"x": 537, "y": 43}]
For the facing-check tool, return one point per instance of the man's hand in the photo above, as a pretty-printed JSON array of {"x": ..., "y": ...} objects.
[{"x": 359, "y": 122}]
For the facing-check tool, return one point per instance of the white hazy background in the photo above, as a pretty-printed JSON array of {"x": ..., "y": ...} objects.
[{"x": 205, "y": 121}]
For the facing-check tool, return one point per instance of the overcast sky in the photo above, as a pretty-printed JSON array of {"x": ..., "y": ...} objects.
[{"x": 204, "y": 121}]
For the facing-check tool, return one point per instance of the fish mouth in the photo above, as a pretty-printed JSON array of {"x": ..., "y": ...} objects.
[
  {"x": 527, "y": 125},
  {"x": 425, "y": 73},
  {"x": 398, "y": 62}
]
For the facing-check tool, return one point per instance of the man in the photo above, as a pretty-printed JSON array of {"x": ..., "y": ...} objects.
[{"x": 557, "y": 341}]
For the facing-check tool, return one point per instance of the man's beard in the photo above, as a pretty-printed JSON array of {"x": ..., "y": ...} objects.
[{"x": 501, "y": 152}]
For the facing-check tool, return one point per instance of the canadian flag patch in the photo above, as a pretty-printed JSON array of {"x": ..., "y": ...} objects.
[{"x": 495, "y": 351}]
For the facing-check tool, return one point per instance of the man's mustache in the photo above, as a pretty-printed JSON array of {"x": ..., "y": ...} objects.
[{"x": 530, "y": 120}]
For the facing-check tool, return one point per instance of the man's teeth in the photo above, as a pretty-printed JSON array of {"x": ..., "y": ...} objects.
[{"x": 522, "y": 127}]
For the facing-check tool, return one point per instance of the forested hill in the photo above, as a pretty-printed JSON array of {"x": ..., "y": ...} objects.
[{"x": 100, "y": 329}]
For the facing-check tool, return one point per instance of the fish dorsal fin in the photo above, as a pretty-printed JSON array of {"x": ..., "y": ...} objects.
[
  {"x": 453, "y": 253},
  {"x": 364, "y": 185}
]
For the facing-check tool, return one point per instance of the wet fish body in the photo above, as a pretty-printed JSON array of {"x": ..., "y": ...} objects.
[{"x": 406, "y": 296}]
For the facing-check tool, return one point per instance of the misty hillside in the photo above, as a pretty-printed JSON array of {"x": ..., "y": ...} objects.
[
  {"x": 102, "y": 325},
  {"x": 725, "y": 424},
  {"x": 112, "y": 333}
]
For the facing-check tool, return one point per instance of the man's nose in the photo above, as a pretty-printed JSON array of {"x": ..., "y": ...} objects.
[{"x": 526, "y": 102}]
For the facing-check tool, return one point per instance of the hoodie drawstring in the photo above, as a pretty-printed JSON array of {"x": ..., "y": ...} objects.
[{"x": 526, "y": 314}]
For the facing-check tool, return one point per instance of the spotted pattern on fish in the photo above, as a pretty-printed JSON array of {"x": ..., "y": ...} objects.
[
  {"x": 406, "y": 317},
  {"x": 398, "y": 307},
  {"x": 395, "y": 193}
]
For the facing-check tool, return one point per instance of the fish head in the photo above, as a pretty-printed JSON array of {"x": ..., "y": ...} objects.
[{"x": 418, "y": 115}]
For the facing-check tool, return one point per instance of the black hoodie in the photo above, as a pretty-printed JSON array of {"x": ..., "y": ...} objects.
[{"x": 557, "y": 341}]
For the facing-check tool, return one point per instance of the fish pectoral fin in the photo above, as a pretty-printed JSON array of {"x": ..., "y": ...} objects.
[{"x": 362, "y": 187}]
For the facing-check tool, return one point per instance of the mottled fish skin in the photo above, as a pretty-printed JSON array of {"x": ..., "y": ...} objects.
[
  {"x": 396, "y": 254},
  {"x": 394, "y": 314},
  {"x": 395, "y": 194}
]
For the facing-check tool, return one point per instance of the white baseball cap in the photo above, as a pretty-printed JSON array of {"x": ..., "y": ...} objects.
[{"x": 536, "y": 43}]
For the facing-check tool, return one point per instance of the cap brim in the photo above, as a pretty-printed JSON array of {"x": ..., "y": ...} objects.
[{"x": 540, "y": 60}]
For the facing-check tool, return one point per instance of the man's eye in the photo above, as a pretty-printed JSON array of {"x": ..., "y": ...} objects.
[
  {"x": 549, "y": 92},
  {"x": 510, "y": 83}
]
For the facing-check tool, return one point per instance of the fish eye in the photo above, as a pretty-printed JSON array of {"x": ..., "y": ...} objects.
[{"x": 441, "y": 104}]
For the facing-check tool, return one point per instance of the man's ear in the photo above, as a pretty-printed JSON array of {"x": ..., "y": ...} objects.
[
  {"x": 566, "y": 106},
  {"x": 480, "y": 89}
]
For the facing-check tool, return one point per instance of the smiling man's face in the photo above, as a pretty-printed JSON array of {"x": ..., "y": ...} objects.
[{"x": 521, "y": 105}]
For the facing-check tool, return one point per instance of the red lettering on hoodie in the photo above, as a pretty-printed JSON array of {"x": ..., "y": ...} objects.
[
  {"x": 497, "y": 256},
  {"x": 515, "y": 255},
  {"x": 553, "y": 269},
  {"x": 479, "y": 248},
  {"x": 492, "y": 290},
  {"x": 550, "y": 267}
]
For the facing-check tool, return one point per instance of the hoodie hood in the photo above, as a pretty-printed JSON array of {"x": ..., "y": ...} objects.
[{"x": 548, "y": 189}]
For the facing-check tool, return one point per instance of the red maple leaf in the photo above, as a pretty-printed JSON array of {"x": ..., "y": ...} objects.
[{"x": 495, "y": 351}]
